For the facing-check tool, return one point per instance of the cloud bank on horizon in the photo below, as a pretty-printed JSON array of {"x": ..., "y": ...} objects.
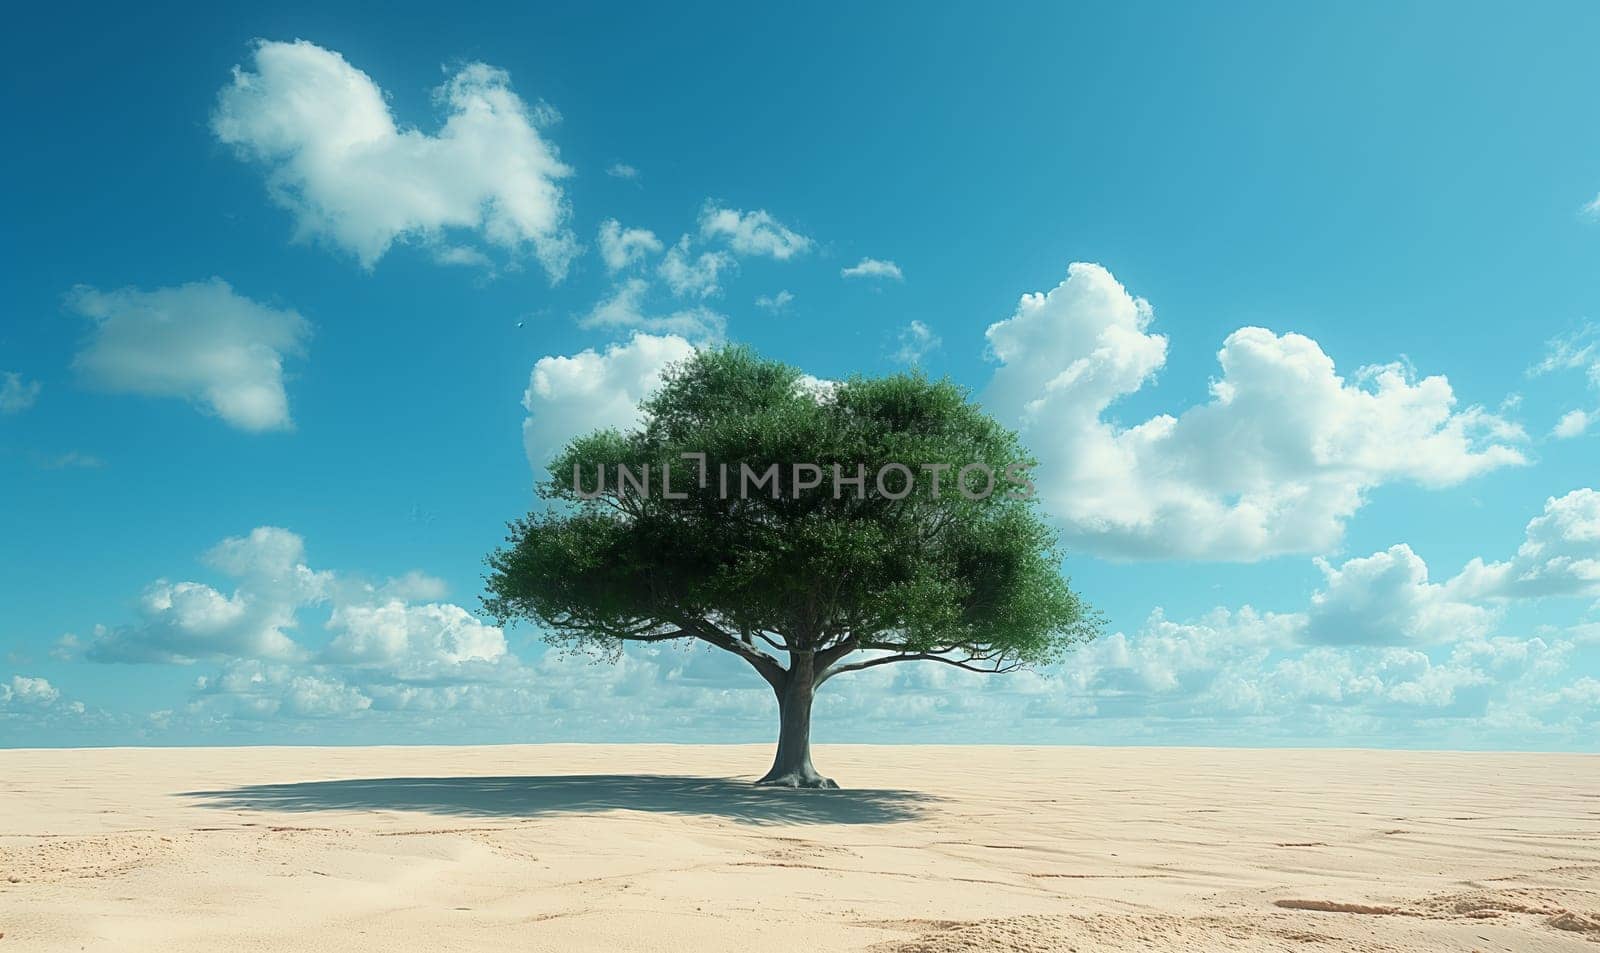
[
  {"x": 1355, "y": 661},
  {"x": 1268, "y": 473}
]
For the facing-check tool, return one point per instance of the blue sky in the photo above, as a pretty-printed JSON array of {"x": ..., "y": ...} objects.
[{"x": 1293, "y": 304}]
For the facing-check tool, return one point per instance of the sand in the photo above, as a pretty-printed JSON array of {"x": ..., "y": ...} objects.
[{"x": 665, "y": 848}]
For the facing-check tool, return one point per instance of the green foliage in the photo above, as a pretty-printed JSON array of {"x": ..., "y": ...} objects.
[{"x": 976, "y": 580}]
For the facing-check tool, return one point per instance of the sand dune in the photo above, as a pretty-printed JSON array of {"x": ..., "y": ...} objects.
[{"x": 930, "y": 849}]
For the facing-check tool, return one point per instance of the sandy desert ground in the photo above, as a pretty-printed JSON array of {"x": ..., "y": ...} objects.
[{"x": 664, "y": 848}]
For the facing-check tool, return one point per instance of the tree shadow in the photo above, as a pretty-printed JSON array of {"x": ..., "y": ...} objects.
[{"x": 542, "y": 796}]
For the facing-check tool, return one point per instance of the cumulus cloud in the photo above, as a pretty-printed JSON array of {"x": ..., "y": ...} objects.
[
  {"x": 625, "y": 309},
  {"x": 253, "y": 690},
  {"x": 776, "y": 303},
  {"x": 200, "y": 341},
  {"x": 621, "y": 247},
  {"x": 590, "y": 390},
  {"x": 381, "y": 641},
  {"x": 395, "y": 634},
  {"x": 873, "y": 268},
  {"x": 1168, "y": 656},
  {"x": 917, "y": 340},
  {"x": 622, "y": 170},
  {"x": 185, "y": 622},
  {"x": 379, "y": 638},
  {"x": 31, "y": 707},
  {"x": 688, "y": 274},
  {"x": 17, "y": 394},
  {"x": 1559, "y": 555},
  {"x": 270, "y": 556},
  {"x": 1386, "y": 598},
  {"x": 1243, "y": 667},
  {"x": 1275, "y": 462},
  {"x": 338, "y": 161},
  {"x": 1574, "y": 423},
  {"x": 24, "y": 691},
  {"x": 752, "y": 233}
]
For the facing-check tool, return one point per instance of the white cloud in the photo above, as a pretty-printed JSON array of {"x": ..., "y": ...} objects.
[
  {"x": 621, "y": 247},
  {"x": 375, "y": 629},
  {"x": 16, "y": 394},
  {"x": 185, "y": 622},
  {"x": 463, "y": 256},
  {"x": 339, "y": 162},
  {"x": 1574, "y": 423},
  {"x": 24, "y": 691},
  {"x": 1386, "y": 598},
  {"x": 752, "y": 233},
  {"x": 31, "y": 708},
  {"x": 396, "y": 635},
  {"x": 199, "y": 341},
  {"x": 873, "y": 268},
  {"x": 310, "y": 696},
  {"x": 267, "y": 552},
  {"x": 382, "y": 649},
  {"x": 67, "y": 648},
  {"x": 413, "y": 586},
  {"x": 570, "y": 396},
  {"x": 251, "y": 690},
  {"x": 647, "y": 689},
  {"x": 776, "y": 303},
  {"x": 1247, "y": 668},
  {"x": 1276, "y": 462},
  {"x": 1167, "y": 656},
  {"x": 1246, "y": 671},
  {"x": 624, "y": 309},
  {"x": 1583, "y": 693},
  {"x": 622, "y": 170},
  {"x": 696, "y": 275},
  {"x": 817, "y": 388},
  {"x": 1577, "y": 350},
  {"x": 1559, "y": 555},
  {"x": 917, "y": 340}
]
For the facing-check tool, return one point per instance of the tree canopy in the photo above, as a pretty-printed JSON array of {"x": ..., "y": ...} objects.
[{"x": 736, "y": 519}]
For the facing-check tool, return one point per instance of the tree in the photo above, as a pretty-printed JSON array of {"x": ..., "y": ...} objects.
[{"x": 732, "y": 515}]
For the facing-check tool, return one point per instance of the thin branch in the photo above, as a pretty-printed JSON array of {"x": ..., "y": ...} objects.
[
  {"x": 770, "y": 641},
  {"x": 1000, "y": 667},
  {"x": 660, "y": 637}
]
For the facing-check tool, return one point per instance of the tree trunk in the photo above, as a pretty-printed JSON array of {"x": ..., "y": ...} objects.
[{"x": 791, "y": 767}]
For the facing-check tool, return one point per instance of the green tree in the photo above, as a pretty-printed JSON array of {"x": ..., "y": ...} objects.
[{"x": 802, "y": 577}]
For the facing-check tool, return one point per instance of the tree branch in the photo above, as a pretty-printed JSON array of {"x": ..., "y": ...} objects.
[
  {"x": 1000, "y": 666},
  {"x": 660, "y": 637},
  {"x": 832, "y": 654},
  {"x": 765, "y": 638},
  {"x": 765, "y": 665}
]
